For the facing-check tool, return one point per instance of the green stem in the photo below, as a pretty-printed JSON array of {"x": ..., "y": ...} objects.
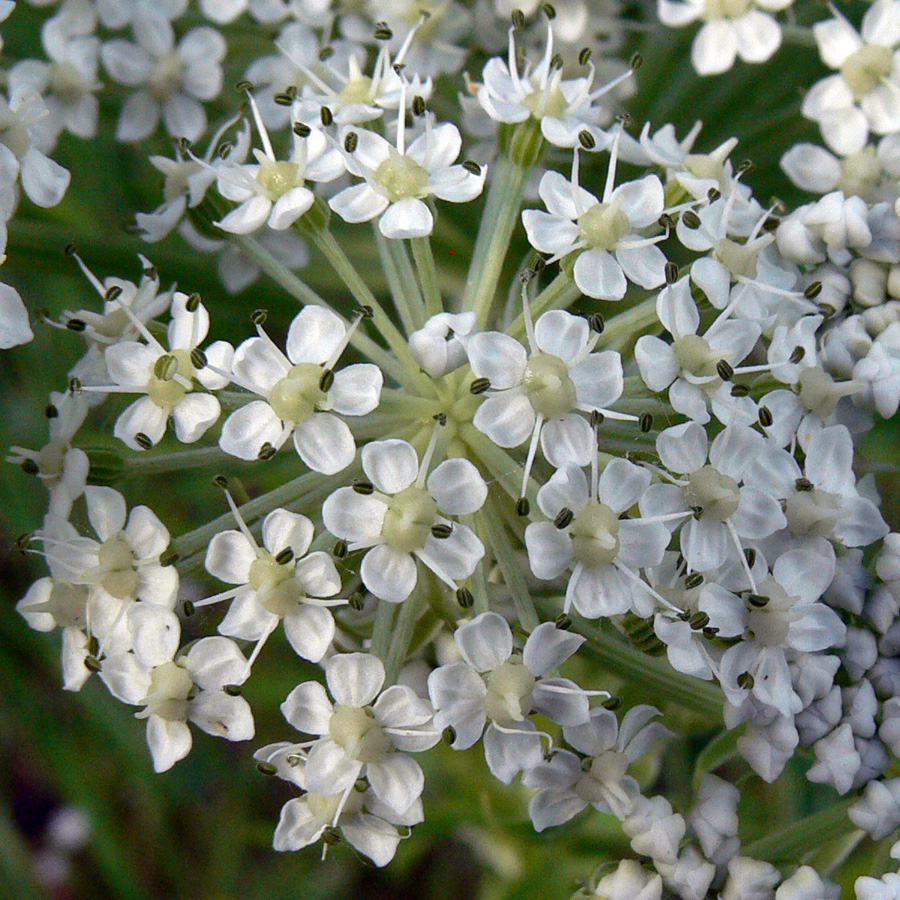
[
  {"x": 410, "y": 612},
  {"x": 500, "y": 216},
  {"x": 421, "y": 248},
  {"x": 412, "y": 377},
  {"x": 798, "y": 36},
  {"x": 402, "y": 282},
  {"x": 301, "y": 291},
  {"x": 560, "y": 293},
  {"x": 624, "y": 328},
  {"x": 792, "y": 843},
  {"x": 382, "y": 630},
  {"x": 658, "y": 681},
  {"x": 505, "y": 470},
  {"x": 491, "y": 524},
  {"x": 179, "y": 460}
]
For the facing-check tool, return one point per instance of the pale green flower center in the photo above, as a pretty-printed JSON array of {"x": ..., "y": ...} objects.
[
  {"x": 296, "y": 396},
  {"x": 603, "y": 225},
  {"x": 356, "y": 731},
  {"x": 864, "y": 69},
  {"x": 548, "y": 387},
  {"x": 164, "y": 388},
  {"x": 549, "y": 101},
  {"x": 115, "y": 564},
  {"x": 66, "y": 82},
  {"x": 695, "y": 356},
  {"x": 356, "y": 90},
  {"x": 716, "y": 494},
  {"x": 509, "y": 692},
  {"x": 814, "y": 513},
  {"x": 739, "y": 259},
  {"x": 401, "y": 176},
  {"x": 276, "y": 178},
  {"x": 407, "y": 523},
  {"x": 66, "y": 603},
  {"x": 170, "y": 687},
  {"x": 860, "y": 174},
  {"x": 770, "y": 624},
  {"x": 595, "y": 535},
  {"x": 726, "y": 9},
  {"x": 324, "y": 807},
  {"x": 167, "y": 77},
  {"x": 13, "y": 133},
  {"x": 273, "y": 584}
]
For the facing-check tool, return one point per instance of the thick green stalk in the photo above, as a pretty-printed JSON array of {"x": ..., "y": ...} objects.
[
  {"x": 411, "y": 375},
  {"x": 177, "y": 461},
  {"x": 421, "y": 247},
  {"x": 657, "y": 679},
  {"x": 501, "y": 213},
  {"x": 507, "y": 472},
  {"x": 792, "y": 843},
  {"x": 382, "y": 630},
  {"x": 623, "y": 329},
  {"x": 404, "y": 626},
  {"x": 402, "y": 282},
  {"x": 491, "y": 525}
]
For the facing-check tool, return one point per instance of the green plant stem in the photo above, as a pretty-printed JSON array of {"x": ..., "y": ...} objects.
[
  {"x": 491, "y": 525},
  {"x": 401, "y": 281},
  {"x": 382, "y": 630},
  {"x": 657, "y": 679},
  {"x": 792, "y": 843},
  {"x": 501, "y": 213},
  {"x": 560, "y": 293},
  {"x": 623, "y": 329},
  {"x": 505, "y": 470},
  {"x": 177, "y": 461},
  {"x": 346, "y": 271},
  {"x": 422, "y": 254},
  {"x": 404, "y": 626}
]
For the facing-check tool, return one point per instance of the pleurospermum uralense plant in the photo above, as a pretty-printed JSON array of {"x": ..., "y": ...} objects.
[{"x": 483, "y": 495}]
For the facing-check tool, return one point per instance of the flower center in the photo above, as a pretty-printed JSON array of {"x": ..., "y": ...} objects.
[
  {"x": 401, "y": 176},
  {"x": 509, "y": 692},
  {"x": 273, "y": 584},
  {"x": 166, "y": 77},
  {"x": 595, "y": 535},
  {"x": 726, "y": 9},
  {"x": 356, "y": 731},
  {"x": 408, "y": 520},
  {"x": 323, "y": 807},
  {"x": 770, "y": 624},
  {"x": 739, "y": 259},
  {"x": 694, "y": 356},
  {"x": 603, "y": 225},
  {"x": 717, "y": 495},
  {"x": 356, "y": 90},
  {"x": 548, "y": 387},
  {"x": 548, "y": 101},
  {"x": 813, "y": 512},
  {"x": 66, "y": 82},
  {"x": 276, "y": 178},
  {"x": 115, "y": 562},
  {"x": 163, "y": 388},
  {"x": 296, "y": 396},
  {"x": 170, "y": 687},
  {"x": 864, "y": 68}
]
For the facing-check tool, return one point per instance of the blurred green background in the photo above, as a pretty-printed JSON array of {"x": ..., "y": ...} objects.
[{"x": 203, "y": 830}]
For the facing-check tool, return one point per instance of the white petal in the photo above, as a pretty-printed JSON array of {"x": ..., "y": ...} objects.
[
  {"x": 392, "y": 465},
  {"x": 308, "y": 708},
  {"x": 568, "y": 441},
  {"x": 457, "y": 487},
  {"x": 388, "y": 573},
  {"x": 561, "y": 334},
  {"x": 396, "y": 780},
  {"x": 714, "y": 48},
  {"x": 324, "y": 442},
  {"x": 14, "y": 326},
  {"x": 758, "y": 36},
  {"x": 507, "y": 419},
  {"x": 43, "y": 180},
  {"x": 486, "y": 642},
  {"x": 248, "y": 428},
  {"x": 106, "y": 511},
  {"x": 310, "y": 631},
  {"x": 194, "y": 415},
  {"x": 169, "y": 742},
  {"x": 497, "y": 357},
  {"x": 354, "y": 679},
  {"x": 549, "y": 550},
  {"x": 682, "y": 448},
  {"x": 314, "y": 335},
  {"x": 599, "y": 379},
  {"x": 598, "y": 275},
  {"x": 352, "y": 516},
  {"x": 454, "y": 557},
  {"x": 622, "y": 484},
  {"x": 548, "y": 648},
  {"x": 356, "y": 390},
  {"x": 229, "y": 557}
]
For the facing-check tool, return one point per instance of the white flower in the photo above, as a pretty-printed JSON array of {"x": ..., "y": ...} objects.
[
  {"x": 188, "y": 687},
  {"x": 398, "y": 180},
  {"x": 274, "y": 192},
  {"x": 275, "y": 582},
  {"x": 541, "y": 393},
  {"x": 15, "y": 329},
  {"x": 361, "y": 736},
  {"x": 601, "y": 232},
  {"x": 361, "y": 818},
  {"x": 167, "y": 378},
  {"x": 402, "y": 518},
  {"x": 732, "y": 28},
  {"x": 171, "y": 80},
  {"x": 496, "y": 686},
  {"x": 439, "y": 346},
  {"x": 586, "y": 534},
  {"x": 862, "y": 96},
  {"x": 567, "y": 785},
  {"x": 302, "y": 393}
]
